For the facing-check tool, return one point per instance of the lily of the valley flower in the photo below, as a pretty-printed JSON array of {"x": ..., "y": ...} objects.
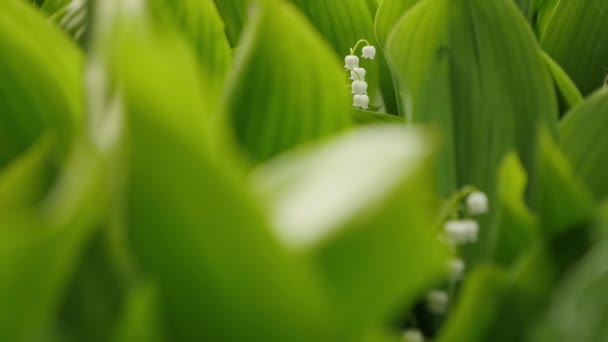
[
  {"x": 369, "y": 52},
  {"x": 413, "y": 335},
  {"x": 351, "y": 62},
  {"x": 437, "y": 302},
  {"x": 462, "y": 231},
  {"x": 456, "y": 269},
  {"x": 358, "y": 74},
  {"x": 477, "y": 203},
  {"x": 359, "y": 87},
  {"x": 361, "y": 101}
]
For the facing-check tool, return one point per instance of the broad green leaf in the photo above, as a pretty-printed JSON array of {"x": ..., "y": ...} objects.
[
  {"x": 560, "y": 199},
  {"x": 461, "y": 80},
  {"x": 26, "y": 179},
  {"x": 362, "y": 208},
  {"x": 584, "y": 142},
  {"x": 578, "y": 312},
  {"x": 287, "y": 88},
  {"x": 199, "y": 23},
  {"x": 38, "y": 251},
  {"x": 234, "y": 14},
  {"x": 389, "y": 13},
  {"x": 478, "y": 306},
  {"x": 567, "y": 93},
  {"x": 41, "y": 74},
  {"x": 217, "y": 267},
  {"x": 575, "y": 35},
  {"x": 516, "y": 228},
  {"x": 342, "y": 23},
  {"x": 141, "y": 319},
  {"x": 528, "y": 8}
]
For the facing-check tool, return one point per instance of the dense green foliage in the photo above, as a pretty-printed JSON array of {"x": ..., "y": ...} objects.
[{"x": 194, "y": 170}]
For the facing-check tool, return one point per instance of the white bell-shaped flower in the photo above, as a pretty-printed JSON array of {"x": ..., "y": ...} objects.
[
  {"x": 412, "y": 335},
  {"x": 437, "y": 302},
  {"x": 361, "y": 101},
  {"x": 359, "y": 87},
  {"x": 462, "y": 231},
  {"x": 472, "y": 230},
  {"x": 369, "y": 52},
  {"x": 456, "y": 269},
  {"x": 351, "y": 62},
  {"x": 358, "y": 74},
  {"x": 477, "y": 203}
]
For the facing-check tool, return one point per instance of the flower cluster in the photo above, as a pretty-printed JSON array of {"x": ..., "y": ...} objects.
[{"x": 357, "y": 74}]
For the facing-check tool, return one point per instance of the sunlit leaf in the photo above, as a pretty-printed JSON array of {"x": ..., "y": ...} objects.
[{"x": 362, "y": 208}]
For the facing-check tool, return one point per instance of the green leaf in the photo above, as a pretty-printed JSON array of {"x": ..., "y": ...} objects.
[
  {"x": 577, "y": 312},
  {"x": 141, "y": 319},
  {"x": 269, "y": 111},
  {"x": 457, "y": 80},
  {"x": 26, "y": 179},
  {"x": 199, "y": 23},
  {"x": 478, "y": 306},
  {"x": 362, "y": 208},
  {"x": 389, "y": 13},
  {"x": 217, "y": 267},
  {"x": 41, "y": 77},
  {"x": 39, "y": 249},
  {"x": 365, "y": 116},
  {"x": 575, "y": 34},
  {"x": 567, "y": 93},
  {"x": 584, "y": 143},
  {"x": 516, "y": 228},
  {"x": 234, "y": 13},
  {"x": 559, "y": 197}
]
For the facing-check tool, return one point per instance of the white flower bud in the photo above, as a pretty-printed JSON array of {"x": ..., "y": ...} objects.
[
  {"x": 437, "y": 302},
  {"x": 413, "y": 335},
  {"x": 477, "y": 203},
  {"x": 462, "y": 231},
  {"x": 358, "y": 74},
  {"x": 351, "y": 62},
  {"x": 369, "y": 52},
  {"x": 359, "y": 87},
  {"x": 361, "y": 101},
  {"x": 456, "y": 269}
]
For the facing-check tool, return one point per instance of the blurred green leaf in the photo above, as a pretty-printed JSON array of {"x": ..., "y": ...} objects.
[
  {"x": 362, "y": 208},
  {"x": 365, "y": 116},
  {"x": 26, "y": 179},
  {"x": 517, "y": 228},
  {"x": 192, "y": 224},
  {"x": 575, "y": 34},
  {"x": 199, "y": 23},
  {"x": 567, "y": 93},
  {"x": 584, "y": 142},
  {"x": 234, "y": 13},
  {"x": 41, "y": 73},
  {"x": 141, "y": 319},
  {"x": 38, "y": 252},
  {"x": 269, "y": 111},
  {"x": 559, "y": 197},
  {"x": 478, "y": 306},
  {"x": 578, "y": 312}
]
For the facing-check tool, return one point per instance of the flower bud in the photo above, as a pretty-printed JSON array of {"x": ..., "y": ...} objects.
[
  {"x": 477, "y": 203},
  {"x": 369, "y": 52},
  {"x": 456, "y": 269},
  {"x": 437, "y": 302},
  {"x": 351, "y": 62}
]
